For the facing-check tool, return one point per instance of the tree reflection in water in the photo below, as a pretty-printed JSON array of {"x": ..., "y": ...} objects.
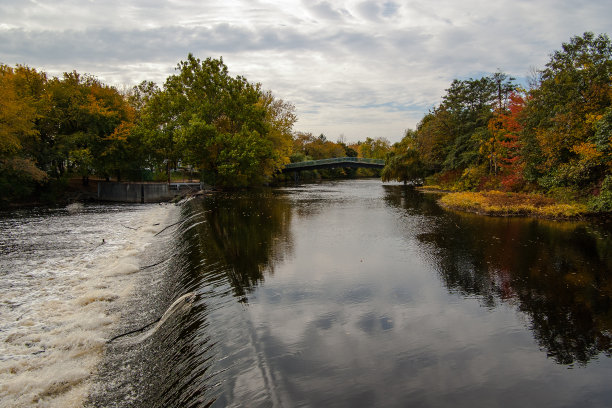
[
  {"x": 247, "y": 233},
  {"x": 557, "y": 273}
]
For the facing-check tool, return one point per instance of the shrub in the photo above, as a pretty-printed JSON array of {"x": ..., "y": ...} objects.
[
  {"x": 603, "y": 201},
  {"x": 504, "y": 204}
]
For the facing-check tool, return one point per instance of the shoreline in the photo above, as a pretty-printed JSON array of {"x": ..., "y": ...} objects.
[
  {"x": 77, "y": 193},
  {"x": 502, "y": 204}
]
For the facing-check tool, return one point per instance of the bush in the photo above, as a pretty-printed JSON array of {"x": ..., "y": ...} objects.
[
  {"x": 505, "y": 204},
  {"x": 603, "y": 201},
  {"x": 53, "y": 190},
  {"x": 472, "y": 178},
  {"x": 19, "y": 178},
  {"x": 565, "y": 194},
  {"x": 445, "y": 181}
]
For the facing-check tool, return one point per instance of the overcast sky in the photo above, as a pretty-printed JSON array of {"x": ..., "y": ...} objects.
[{"x": 353, "y": 68}]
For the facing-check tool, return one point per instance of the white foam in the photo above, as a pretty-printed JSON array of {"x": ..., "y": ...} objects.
[
  {"x": 55, "y": 317},
  {"x": 74, "y": 207}
]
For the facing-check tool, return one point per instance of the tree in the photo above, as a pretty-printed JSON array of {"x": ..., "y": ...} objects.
[
  {"x": 454, "y": 140},
  {"x": 233, "y": 131},
  {"x": 374, "y": 148},
  {"x": 18, "y": 172},
  {"x": 155, "y": 127},
  {"x": 77, "y": 118},
  {"x": 504, "y": 86},
  {"x": 470, "y": 104},
  {"x": 403, "y": 162},
  {"x": 17, "y": 114},
  {"x": 434, "y": 138},
  {"x": 563, "y": 113},
  {"x": 487, "y": 133},
  {"x": 308, "y": 147},
  {"x": 506, "y": 127}
]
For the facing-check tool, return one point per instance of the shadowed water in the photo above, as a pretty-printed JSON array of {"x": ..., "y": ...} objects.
[{"x": 356, "y": 293}]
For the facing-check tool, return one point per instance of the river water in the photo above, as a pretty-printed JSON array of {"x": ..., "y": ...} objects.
[
  {"x": 349, "y": 293},
  {"x": 66, "y": 277}
]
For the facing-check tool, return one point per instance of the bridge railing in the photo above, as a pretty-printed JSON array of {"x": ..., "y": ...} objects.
[{"x": 312, "y": 163}]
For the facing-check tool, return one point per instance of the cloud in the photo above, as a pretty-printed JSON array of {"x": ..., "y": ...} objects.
[
  {"x": 375, "y": 11},
  {"x": 352, "y": 67},
  {"x": 390, "y": 9},
  {"x": 326, "y": 11}
]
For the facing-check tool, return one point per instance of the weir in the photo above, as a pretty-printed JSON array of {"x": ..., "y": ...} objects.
[{"x": 143, "y": 192}]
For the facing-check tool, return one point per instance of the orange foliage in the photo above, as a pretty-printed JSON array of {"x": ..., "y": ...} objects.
[{"x": 506, "y": 128}]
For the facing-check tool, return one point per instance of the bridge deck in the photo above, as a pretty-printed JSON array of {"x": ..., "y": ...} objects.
[{"x": 335, "y": 162}]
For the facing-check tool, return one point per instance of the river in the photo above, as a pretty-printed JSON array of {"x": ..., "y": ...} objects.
[{"x": 348, "y": 293}]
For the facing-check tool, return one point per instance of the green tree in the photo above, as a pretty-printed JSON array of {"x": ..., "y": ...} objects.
[
  {"x": 235, "y": 133},
  {"x": 562, "y": 115},
  {"x": 403, "y": 162},
  {"x": 374, "y": 148},
  {"x": 454, "y": 139},
  {"x": 79, "y": 123},
  {"x": 435, "y": 134},
  {"x": 470, "y": 104}
]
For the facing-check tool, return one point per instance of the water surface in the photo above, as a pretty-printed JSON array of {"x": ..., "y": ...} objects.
[
  {"x": 357, "y": 293},
  {"x": 65, "y": 276}
]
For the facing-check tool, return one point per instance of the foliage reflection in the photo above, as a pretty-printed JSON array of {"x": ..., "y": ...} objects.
[
  {"x": 557, "y": 273},
  {"x": 247, "y": 234}
]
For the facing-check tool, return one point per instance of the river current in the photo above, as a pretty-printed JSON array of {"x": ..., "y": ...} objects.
[
  {"x": 66, "y": 278},
  {"x": 348, "y": 293}
]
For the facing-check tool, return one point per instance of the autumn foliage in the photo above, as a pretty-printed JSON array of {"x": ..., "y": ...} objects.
[
  {"x": 554, "y": 138},
  {"x": 229, "y": 130}
]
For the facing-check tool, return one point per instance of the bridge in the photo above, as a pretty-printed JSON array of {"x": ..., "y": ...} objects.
[{"x": 354, "y": 162}]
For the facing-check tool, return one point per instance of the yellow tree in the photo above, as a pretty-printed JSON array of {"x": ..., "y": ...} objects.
[
  {"x": 374, "y": 148},
  {"x": 18, "y": 172},
  {"x": 16, "y": 115},
  {"x": 280, "y": 117}
]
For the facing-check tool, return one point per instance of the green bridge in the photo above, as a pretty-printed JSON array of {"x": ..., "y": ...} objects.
[{"x": 335, "y": 162}]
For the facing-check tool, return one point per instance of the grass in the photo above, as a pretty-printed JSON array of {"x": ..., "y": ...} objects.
[
  {"x": 435, "y": 188},
  {"x": 498, "y": 203}
]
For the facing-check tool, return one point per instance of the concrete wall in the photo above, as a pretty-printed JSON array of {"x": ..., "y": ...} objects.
[{"x": 135, "y": 192}]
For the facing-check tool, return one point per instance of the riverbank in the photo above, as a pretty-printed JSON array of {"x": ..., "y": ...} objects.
[
  {"x": 498, "y": 203},
  {"x": 98, "y": 190}
]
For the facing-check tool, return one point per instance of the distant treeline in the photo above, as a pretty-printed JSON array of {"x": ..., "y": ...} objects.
[
  {"x": 490, "y": 134},
  {"x": 308, "y": 147},
  {"x": 228, "y": 130}
]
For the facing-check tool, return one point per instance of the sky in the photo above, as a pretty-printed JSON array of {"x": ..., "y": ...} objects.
[{"x": 352, "y": 68}]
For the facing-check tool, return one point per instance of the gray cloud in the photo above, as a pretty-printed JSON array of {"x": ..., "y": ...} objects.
[
  {"x": 361, "y": 68},
  {"x": 390, "y": 9},
  {"x": 326, "y": 10},
  {"x": 374, "y": 10},
  {"x": 370, "y": 10}
]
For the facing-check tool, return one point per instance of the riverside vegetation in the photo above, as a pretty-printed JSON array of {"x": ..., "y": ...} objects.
[
  {"x": 552, "y": 142},
  {"x": 504, "y": 150},
  {"x": 231, "y": 131}
]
